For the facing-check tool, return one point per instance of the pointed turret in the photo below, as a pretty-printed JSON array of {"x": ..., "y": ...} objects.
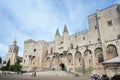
[
  {"x": 65, "y": 29},
  {"x": 15, "y": 42},
  {"x": 57, "y": 32}
]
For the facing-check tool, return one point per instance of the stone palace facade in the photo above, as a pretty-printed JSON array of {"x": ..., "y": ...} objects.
[{"x": 83, "y": 51}]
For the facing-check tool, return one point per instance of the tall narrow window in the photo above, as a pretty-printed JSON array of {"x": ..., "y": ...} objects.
[
  {"x": 70, "y": 60},
  {"x": 118, "y": 9},
  {"x": 71, "y": 46},
  {"x": 96, "y": 27},
  {"x": 83, "y": 38},
  {"x": 76, "y": 47},
  {"x": 51, "y": 50},
  {"x": 100, "y": 58},
  {"x": 79, "y": 59},
  {"x": 109, "y": 23},
  {"x": 46, "y": 52}
]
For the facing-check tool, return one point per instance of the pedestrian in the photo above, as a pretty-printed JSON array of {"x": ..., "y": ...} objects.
[{"x": 34, "y": 74}]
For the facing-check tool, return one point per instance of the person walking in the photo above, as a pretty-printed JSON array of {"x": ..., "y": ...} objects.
[{"x": 34, "y": 74}]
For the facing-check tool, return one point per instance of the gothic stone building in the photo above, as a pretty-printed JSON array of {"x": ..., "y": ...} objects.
[{"x": 83, "y": 50}]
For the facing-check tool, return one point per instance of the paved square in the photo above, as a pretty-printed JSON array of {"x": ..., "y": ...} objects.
[{"x": 39, "y": 77}]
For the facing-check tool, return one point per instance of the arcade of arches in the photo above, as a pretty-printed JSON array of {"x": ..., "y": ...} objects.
[{"x": 90, "y": 59}]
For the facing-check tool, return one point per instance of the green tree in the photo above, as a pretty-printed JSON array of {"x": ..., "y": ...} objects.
[
  {"x": 6, "y": 68},
  {"x": 0, "y": 60},
  {"x": 3, "y": 68},
  {"x": 8, "y": 65},
  {"x": 16, "y": 66}
]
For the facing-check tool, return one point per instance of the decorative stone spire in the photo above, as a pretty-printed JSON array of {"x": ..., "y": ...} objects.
[
  {"x": 65, "y": 29},
  {"x": 15, "y": 42},
  {"x": 57, "y": 32}
]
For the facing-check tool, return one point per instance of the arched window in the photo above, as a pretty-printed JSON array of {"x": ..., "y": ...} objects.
[
  {"x": 78, "y": 57},
  {"x": 69, "y": 59},
  {"x": 111, "y": 51},
  {"x": 98, "y": 56},
  {"x": 87, "y": 58},
  {"x": 54, "y": 61},
  {"x": 33, "y": 60}
]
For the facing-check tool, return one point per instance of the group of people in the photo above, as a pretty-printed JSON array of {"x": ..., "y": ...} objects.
[
  {"x": 104, "y": 77},
  {"x": 97, "y": 77},
  {"x": 116, "y": 77}
]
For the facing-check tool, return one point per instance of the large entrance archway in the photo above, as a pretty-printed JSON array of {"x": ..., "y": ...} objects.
[
  {"x": 33, "y": 60},
  {"x": 54, "y": 62},
  {"x": 61, "y": 58},
  {"x": 69, "y": 59},
  {"x": 62, "y": 66},
  {"x": 33, "y": 63},
  {"x": 78, "y": 59},
  {"x": 88, "y": 59},
  {"x": 98, "y": 57}
]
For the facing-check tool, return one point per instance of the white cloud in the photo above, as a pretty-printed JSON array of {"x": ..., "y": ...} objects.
[{"x": 3, "y": 50}]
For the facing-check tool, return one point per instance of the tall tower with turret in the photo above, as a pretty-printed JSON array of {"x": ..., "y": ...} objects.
[
  {"x": 57, "y": 40},
  {"x": 12, "y": 54},
  {"x": 65, "y": 38}
]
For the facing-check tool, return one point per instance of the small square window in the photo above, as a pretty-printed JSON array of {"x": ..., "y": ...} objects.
[
  {"x": 98, "y": 39},
  {"x": 109, "y": 23},
  {"x": 34, "y": 50},
  {"x": 71, "y": 46}
]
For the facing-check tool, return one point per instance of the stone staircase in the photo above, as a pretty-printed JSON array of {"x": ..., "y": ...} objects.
[{"x": 54, "y": 73}]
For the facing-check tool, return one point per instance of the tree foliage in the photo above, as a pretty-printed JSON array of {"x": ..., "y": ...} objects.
[
  {"x": 0, "y": 60},
  {"x": 8, "y": 65},
  {"x": 15, "y": 67},
  {"x": 6, "y": 68}
]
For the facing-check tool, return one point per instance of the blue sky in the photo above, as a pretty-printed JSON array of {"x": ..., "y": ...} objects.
[{"x": 39, "y": 19}]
